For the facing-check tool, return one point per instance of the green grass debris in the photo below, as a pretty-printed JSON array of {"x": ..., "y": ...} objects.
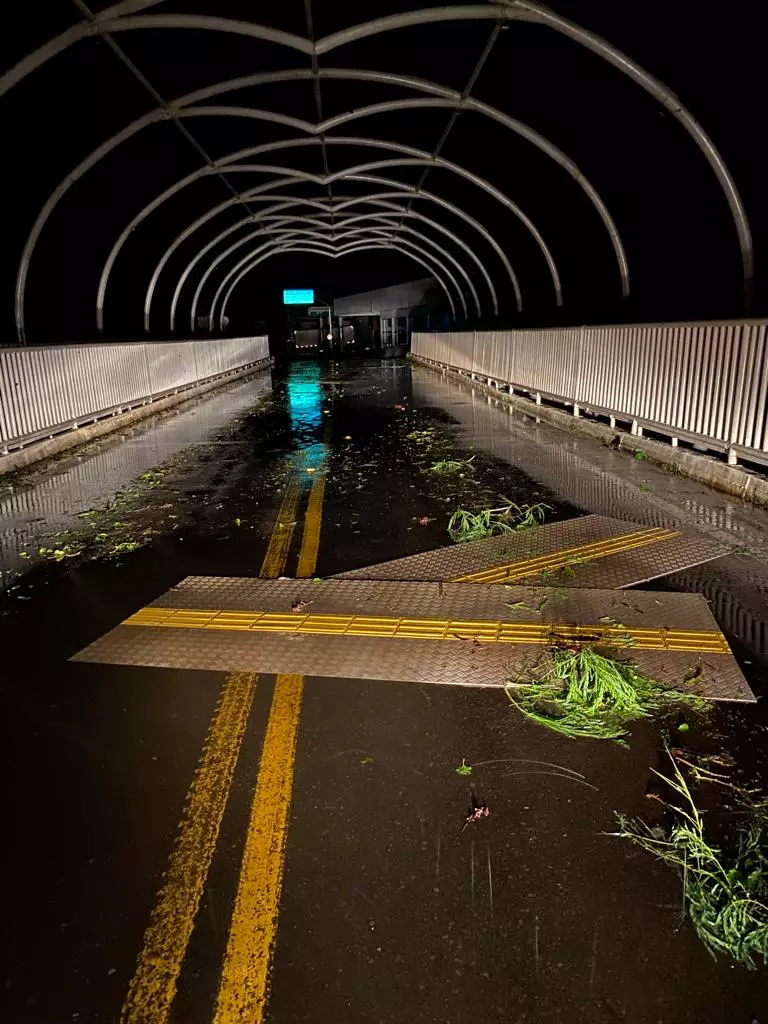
[
  {"x": 447, "y": 467},
  {"x": 587, "y": 695},
  {"x": 725, "y": 887},
  {"x": 511, "y": 518}
]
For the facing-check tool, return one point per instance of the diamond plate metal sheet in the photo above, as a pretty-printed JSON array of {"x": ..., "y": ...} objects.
[
  {"x": 456, "y": 661},
  {"x": 613, "y": 571},
  {"x": 418, "y": 661}
]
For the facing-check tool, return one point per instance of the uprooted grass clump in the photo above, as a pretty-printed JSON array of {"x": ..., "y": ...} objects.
[
  {"x": 587, "y": 695},
  {"x": 448, "y": 467},
  {"x": 725, "y": 889},
  {"x": 510, "y": 518}
]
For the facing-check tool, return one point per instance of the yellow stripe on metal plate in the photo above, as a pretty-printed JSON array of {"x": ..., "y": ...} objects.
[
  {"x": 478, "y": 630},
  {"x": 570, "y": 556}
]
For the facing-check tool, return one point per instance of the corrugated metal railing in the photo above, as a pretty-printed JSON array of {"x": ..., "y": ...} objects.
[
  {"x": 49, "y": 389},
  {"x": 702, "y": 382}
]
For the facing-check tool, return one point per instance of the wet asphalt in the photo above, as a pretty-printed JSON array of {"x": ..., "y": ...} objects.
[{"x": 392, "y": 908}]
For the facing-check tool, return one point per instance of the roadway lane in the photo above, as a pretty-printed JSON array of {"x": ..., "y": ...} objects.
[{"x": 391, "y": 907}]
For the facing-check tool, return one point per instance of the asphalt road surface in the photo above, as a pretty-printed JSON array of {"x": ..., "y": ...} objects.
[{"x": 195, "y": 847}]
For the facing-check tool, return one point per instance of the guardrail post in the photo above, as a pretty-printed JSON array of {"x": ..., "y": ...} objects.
[
  {"x": 576, "y": 410},
  {"x": 149, "y": 390},
  {"x": 537, "y": 398}
]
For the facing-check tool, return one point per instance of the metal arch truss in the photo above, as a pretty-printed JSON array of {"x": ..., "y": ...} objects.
[
  {"x": 125, "y": 16},
  {"x": 262, "y": 193},
  {"x": 410, "y": 157},
  {"x": 380, "y": 200},
  {"x": 335, "y": 253},
  {"x": 383, "y": 222},
  {"x": 447, "y": 98},
  {"x": 291, "y": 176},
  {"x": 370, "y": 234}
]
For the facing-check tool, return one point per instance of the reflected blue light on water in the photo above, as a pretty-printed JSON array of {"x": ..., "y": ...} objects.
[{"x": 305, "y": 408}]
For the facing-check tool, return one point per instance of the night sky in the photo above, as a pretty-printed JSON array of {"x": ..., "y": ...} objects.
[{"x": 680, "y": 240}]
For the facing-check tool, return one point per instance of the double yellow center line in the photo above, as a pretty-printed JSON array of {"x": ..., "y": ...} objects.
[
  {"x": 243, "y": 985},
  {"x": 153, "y": 986},
  {"x": 245, "y": 973}
]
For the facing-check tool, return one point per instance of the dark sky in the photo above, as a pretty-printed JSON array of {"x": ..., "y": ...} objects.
[{"x": 680, "y": 240}]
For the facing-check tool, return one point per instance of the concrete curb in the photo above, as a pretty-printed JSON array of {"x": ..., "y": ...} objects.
[
  {"x": 39, "y": 450},
  {"x": 735, "y": 480}
]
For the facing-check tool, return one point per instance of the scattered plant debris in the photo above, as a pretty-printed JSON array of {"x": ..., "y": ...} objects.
[
  {"x": 725, "y": 888},
  {"x": 585, "y": 694},
  {"x": 464, "y": 768},
  {"x": 510, "y": 518},
  {"x": 125, "y": 547},
  {"x": 447, "y": 467},
  {"x": 59, "y": 554},
  {"x": 524, "y": 606},
  {"x": 423, "y": 437},
  {"x": 478, "y": 809}
]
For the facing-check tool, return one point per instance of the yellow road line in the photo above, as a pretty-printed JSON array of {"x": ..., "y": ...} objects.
[
  {"x": 310, "y": 540},
  {"x": 282, "y": 534},
  {"x": 243, "y": 987},
  {"x": 571, "y": 556},
  {"x": 245, "y": 973},
  {"x": 481, "y": 630},
  {"x": 153, "y": 986}
]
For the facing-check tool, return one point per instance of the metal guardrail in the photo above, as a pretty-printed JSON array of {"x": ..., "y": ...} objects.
[
  {"x": 50, "y": 389},
  {"x": 702, "y": 382}
]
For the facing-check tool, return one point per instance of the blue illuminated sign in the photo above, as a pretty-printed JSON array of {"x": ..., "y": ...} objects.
[{"x": 298, "y": 296}]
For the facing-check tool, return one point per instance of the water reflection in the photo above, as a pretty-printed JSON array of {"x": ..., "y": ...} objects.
[
  {"x": 305, "y": 409},
  {"x": 597, "y": 480},
  {"x": 28, "y": 515}
]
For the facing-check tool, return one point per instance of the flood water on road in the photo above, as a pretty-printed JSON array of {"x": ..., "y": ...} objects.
[
  {"x": 393, "y": 908},
  {"x": 32, "y": 511}
]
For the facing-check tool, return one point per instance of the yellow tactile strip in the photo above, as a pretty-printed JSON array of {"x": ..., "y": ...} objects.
[
  {"x": 570, "y": 556},
  {"x": 479, "y": 630}
]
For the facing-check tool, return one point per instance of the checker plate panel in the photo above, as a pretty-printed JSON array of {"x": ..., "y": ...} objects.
[
  {"x": 457, "y": 661},
  {"x": 660, "y": 552}
]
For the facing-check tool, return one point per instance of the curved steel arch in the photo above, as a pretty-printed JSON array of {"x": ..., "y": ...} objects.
[
  {"x": 287, "y": 220},
  {"x": 376, "y": 199},
  {"x": 522, "y": 10},
  {"x": 291, "y": 175},
  {"x": 383, "y": 222},
  {"x": 415, "y": 157},
  {"x": 320, "y": 252},
  {"x": 327, "y": 238},
  {"x": 292, "y": 232},
  {"x": 457, "y": 100},
  {"x": 402, "y": 187}
]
